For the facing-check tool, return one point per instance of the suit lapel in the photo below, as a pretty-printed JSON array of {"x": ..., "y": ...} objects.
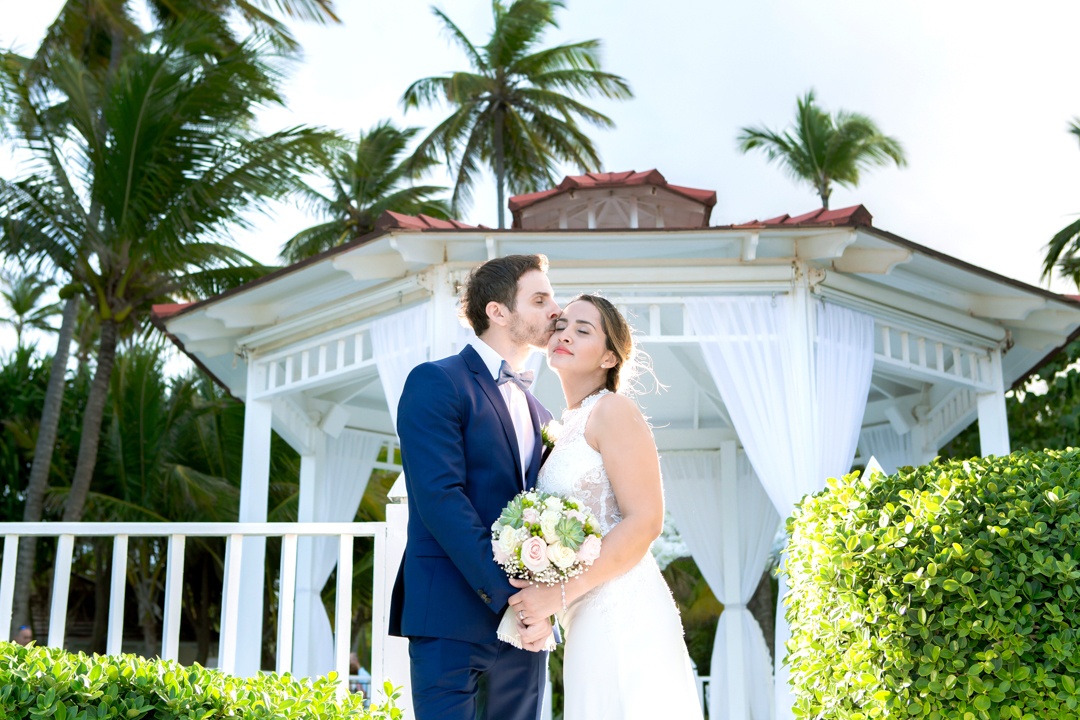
[
  {"x": 494, "y": 395},
  {"x": 538, "y": 446}
]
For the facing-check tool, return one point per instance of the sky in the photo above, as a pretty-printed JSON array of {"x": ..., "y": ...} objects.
[{"x": 980, "y": 95}]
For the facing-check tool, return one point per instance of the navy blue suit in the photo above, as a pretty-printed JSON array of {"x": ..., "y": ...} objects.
[{"x": 461, "y": 460}]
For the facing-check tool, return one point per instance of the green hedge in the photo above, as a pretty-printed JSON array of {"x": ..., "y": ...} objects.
[
  {"x": 950, "y": 590},
  {"x": 39, "y": 683}
]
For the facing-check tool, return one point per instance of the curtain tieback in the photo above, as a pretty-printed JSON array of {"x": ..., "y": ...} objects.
[{"x": 734, "y": 606}]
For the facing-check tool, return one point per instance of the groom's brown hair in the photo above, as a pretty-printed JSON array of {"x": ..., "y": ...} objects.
[{"x": 495, "y": 281}]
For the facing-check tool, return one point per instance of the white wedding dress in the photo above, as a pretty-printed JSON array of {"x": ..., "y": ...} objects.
[{"x": 625, "y": 656}]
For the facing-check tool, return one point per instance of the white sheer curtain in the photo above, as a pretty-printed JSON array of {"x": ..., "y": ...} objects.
[
  {"x": 729, "y": 523},
  {"x": 889, "y": 448},
  {"x": 399, "y": 343},
  {"x": 340, "y": 483},
  {"x": 794, "y": 375}
]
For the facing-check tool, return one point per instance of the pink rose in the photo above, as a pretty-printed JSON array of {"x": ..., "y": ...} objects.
[
  {"x": 534, "y": 554},
  {"x": 530, "y": 516},
  {"x": 579, "y": 516},
  {"x": 500, "y": 554},
  {"x": 589, "y": 550}
]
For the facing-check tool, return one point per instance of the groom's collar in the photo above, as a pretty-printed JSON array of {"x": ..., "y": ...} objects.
[{"x": 492, "y": 360}]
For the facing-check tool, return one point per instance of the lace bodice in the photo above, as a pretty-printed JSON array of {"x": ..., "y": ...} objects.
[{"x": 574, "y": 468}]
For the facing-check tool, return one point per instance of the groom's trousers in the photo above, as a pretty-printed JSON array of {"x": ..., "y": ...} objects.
[{"x": 446, "y": 679}]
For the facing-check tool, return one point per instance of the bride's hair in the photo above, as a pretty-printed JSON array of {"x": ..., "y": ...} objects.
[{"x": 630, "y": 361}]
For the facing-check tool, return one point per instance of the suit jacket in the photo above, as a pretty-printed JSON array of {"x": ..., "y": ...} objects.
[{"x": 461, "y": 460}]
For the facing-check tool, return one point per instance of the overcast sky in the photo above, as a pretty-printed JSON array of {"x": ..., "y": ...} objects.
[{"x": 980, "y": 95}]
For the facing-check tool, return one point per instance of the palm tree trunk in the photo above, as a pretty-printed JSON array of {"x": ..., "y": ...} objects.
[
  {"x": 39, "y": 469},
  {"x": 91, "y": 425},
  {"x": 824, "y": 191},
  {"x": 500, "y": 166},
  {"x": 102, "y": 592}
]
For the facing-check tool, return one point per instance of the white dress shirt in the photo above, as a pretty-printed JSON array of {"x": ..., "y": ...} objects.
[{"x": 516, "y": 403}]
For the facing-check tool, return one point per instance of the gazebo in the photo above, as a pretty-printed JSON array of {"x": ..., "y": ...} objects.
[{"x": 790, "y": 347}]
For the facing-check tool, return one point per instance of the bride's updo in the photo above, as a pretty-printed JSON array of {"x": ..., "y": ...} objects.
[{"x": 629, "y": 361}]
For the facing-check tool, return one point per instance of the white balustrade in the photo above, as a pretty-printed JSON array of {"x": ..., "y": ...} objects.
[
  {"x": 323, "y": 359},
  {"x": 899, "y": 349},
  {"x": 177, "y": 534},
  {"x": 953, "y": 413},
  {"x": 903, "y": 350}
]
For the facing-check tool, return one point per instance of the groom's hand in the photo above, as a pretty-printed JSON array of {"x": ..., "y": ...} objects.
[{"x": 534, "y": 637}]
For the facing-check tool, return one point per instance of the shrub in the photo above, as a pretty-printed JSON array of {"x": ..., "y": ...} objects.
[
  {"x": 37, "y": 682},
  {"x": 944, "y": 591}
]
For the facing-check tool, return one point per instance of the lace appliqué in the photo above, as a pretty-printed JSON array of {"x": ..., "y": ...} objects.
[{"x": 575, "y": 468}]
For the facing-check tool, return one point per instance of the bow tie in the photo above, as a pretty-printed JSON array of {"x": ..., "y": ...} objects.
[{"x": 522, "y": 379}]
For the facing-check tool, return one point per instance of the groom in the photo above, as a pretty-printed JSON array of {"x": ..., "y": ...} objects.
[{"x": 470, "y": 441}]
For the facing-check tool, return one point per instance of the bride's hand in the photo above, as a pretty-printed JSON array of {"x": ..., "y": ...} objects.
[{"x": 535, "y": 602}]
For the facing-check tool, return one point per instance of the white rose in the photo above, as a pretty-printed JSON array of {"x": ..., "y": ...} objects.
[
  {"x": 509, "y": 540},
  {"x": 553, "y": 503},
  {"x": 531, "y": 497},
  {"x": 562, "y": 556},
  {"x": 548, "y": 519}
]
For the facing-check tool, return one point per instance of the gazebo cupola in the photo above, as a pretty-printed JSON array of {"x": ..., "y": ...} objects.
[{"x": 613, "y": 201}]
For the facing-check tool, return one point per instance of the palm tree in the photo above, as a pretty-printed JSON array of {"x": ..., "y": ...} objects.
[
  {"x": 365, "y": 179},
  {"x": 166, "y": 160},
  {"x": 96, "y": 32},
  {"x": 513, "y": 112},
  {"x": 150, "y": 469},
  {"x": 23, "y": 296},
  {"x": 1063, "y": 251},
  {"x": 822, "y": 148}
]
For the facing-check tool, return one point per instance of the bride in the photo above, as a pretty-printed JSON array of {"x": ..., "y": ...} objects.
[{"x": 624, "y": 655}]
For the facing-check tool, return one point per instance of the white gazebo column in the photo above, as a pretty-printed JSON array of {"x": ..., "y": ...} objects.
[
  {"x": 311, "y": 467},
  {"x": 794, "y": 376},
  {"x": 396, "y": 649},
  {"x": 254, "y": 494},
  {"x": 993, "y": 420}
]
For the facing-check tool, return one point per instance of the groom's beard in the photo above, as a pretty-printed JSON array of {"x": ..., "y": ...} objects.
[{"x": 535, "y": 335}]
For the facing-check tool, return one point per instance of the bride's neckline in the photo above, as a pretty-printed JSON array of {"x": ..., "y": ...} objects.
[{"x": 588, "y": 400}]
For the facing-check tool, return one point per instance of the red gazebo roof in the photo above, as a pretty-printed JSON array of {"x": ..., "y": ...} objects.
[
  {"x": 391, "y": 220},
  {"x": 599, "y": 180},
  {"x": 856, "y": 215}
]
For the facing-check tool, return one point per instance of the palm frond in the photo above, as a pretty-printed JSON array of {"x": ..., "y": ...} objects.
[{"x": 458, "y": 37}]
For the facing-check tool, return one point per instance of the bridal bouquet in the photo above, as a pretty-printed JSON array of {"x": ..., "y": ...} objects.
[{"x": 543, "y": 538}]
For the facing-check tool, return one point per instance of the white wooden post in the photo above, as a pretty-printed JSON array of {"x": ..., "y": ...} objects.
[
  {"x": 993, "y": 420},
  {"x": 306, "y": 595},
  {"x": 732, "y": 615},
  {"x": 803, "y": 330},
  {"x": 174, "y": 580},
  {"x": 444, "y": 318},
  {"x": 7, "y": 585},
  {"x": 396, "y": 650},
  {"x": 254, "y": 494}
]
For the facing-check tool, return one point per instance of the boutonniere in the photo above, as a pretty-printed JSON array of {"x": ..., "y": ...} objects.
[{"x": 550, "y": 433}]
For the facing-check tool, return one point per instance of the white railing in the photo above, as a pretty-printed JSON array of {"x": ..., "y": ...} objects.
[
  {"x": 321, "y": 361},
  {"x": 234, "y": 534},
  {"x": 906, "y": 350},
  {"x": 951, "y": 415},
  {"x": 934, "y": 359}
]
